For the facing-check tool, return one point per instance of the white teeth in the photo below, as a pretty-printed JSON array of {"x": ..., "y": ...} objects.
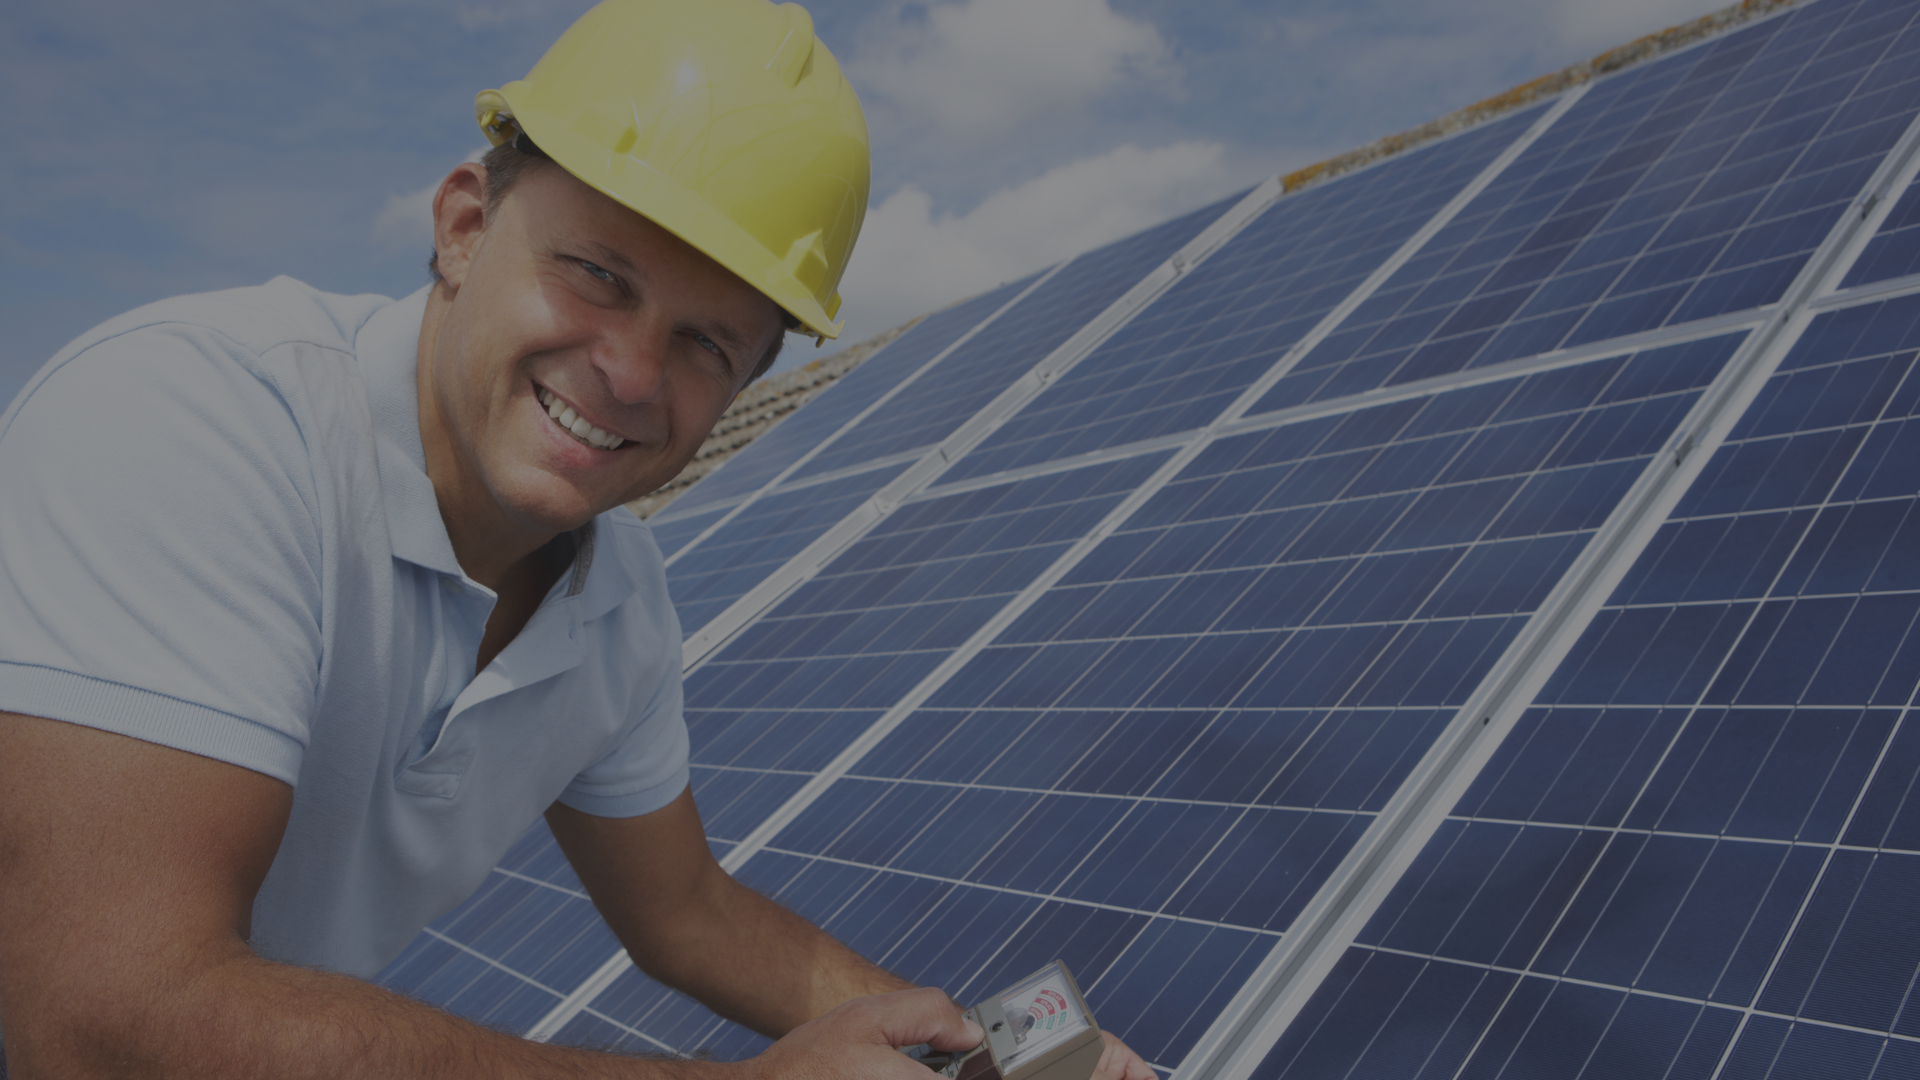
[{"x": 577, "y": 425}]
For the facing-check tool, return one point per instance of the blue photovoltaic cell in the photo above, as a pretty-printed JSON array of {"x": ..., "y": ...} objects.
[
  {"x": 1186, "y": 357},
  {"x": 673, "y": 532},
  {"x": 1689, "y": 187},
  {"x": 770, "y": 454},
  {"x": 706, "y": 581},
  {"x": 1151, "y": 771},
  {"x": 787, "y": 695},
  {"x": 765, "y": 535},
  {"x": 511, "y": 951},
  {"x": 974, "y": 374},
  {"x": 1895, "y": 250},
  {"x": 1712, "y": 805}
]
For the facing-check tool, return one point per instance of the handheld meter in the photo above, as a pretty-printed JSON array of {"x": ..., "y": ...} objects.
[{"x": 1039, "y": 1029}]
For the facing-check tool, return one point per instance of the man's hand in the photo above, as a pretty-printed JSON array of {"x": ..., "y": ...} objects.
[
  {"x": 860, "y": 1040},
  {"x": 1118, "y": 1062}
]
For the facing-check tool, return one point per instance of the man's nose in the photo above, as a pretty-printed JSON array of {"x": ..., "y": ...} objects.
[{"x": 633, "y": 361}]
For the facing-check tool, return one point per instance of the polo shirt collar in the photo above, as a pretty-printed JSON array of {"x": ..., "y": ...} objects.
[{"x": 386, "y": 347}]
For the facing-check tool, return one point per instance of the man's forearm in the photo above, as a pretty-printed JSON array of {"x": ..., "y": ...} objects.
[
  {"x": 687, "y": 923},
  {"x": 760, "y": 965},
  {"x": 247, "y": 1018}
]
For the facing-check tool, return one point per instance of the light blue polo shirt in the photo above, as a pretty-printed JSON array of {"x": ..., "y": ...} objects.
[{"x": 217, "y": 534}]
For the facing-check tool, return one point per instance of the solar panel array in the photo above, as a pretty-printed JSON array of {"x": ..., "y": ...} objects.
[{"x": 1457, "y": 619}]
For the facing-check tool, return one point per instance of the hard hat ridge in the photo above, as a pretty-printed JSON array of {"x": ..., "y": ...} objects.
[{"x": 727, "y": 122}]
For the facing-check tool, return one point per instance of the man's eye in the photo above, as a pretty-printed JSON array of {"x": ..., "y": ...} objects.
[
  {"x": 596, "y": 271},
  {"x": 707, "y": 343}
]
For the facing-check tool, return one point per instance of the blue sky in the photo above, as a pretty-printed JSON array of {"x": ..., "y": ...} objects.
[{"x": 199, "y": 144}]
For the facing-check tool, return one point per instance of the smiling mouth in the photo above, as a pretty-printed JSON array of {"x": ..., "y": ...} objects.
[{"x": 574, "y": 424}]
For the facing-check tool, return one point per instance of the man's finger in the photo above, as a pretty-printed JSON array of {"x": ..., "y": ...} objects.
[
  {"x": 926, "y": 1015},
  {"x": 1119, "y": 1062}
]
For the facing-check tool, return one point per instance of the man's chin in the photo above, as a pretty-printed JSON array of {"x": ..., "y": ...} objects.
[{"x": 556, "y": 507}]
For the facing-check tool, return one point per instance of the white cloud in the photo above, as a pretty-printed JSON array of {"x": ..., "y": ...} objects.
[
  {"x": 913, "y": 259},
  {"x": 973, "y": 66},
  {"x": 407, "y": 220},
  {"x": 1588, "y": 28}
]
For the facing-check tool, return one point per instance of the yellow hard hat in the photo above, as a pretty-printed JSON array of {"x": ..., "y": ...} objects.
[{"x": 726, "y": 122}]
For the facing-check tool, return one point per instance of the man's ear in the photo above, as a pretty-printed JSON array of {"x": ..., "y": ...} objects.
[{"x": 459, "y": 221}]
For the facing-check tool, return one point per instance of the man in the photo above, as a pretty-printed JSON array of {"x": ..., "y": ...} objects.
[{"x": 310, "y": 604}]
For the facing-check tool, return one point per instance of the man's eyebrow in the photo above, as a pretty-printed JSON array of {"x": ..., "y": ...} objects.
[
  {"x": 735, "y": 339},
  {"x": 611, "y": 256}
]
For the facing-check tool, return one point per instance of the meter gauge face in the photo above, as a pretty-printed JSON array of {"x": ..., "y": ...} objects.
[
  {"x": 1042, "y": 1012},
  {"x": 1039, "y": 1030}
]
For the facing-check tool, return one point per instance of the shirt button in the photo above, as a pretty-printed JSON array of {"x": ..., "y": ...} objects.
[{"x": 452, "y": 584}]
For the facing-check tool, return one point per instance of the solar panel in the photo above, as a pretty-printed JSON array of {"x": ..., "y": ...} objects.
[
  {"x": 760, "y": 538},
  {"x": 1256, "y": 299},
  {"x": 1695, "y": 851},
  {"x": 929, "y": 410},
  {"x": 954, "y": 369},
  {"x": 1895, "y": 251},
  {"x": 1677, "y": 191},
  {"x": 1455, "y": 619},
  {"x": 772, "y": 454},
  {"x": 674, "y": 534}
]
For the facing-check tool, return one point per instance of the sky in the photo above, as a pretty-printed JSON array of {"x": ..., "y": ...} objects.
[{"x": 157, "y": 149}]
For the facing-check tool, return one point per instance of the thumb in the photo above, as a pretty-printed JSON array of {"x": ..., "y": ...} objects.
[{"x": 925, "y": 1015}]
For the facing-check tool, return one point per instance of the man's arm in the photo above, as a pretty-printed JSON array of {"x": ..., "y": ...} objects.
[
  {"x": 687, "y": 923},
  {"x": 127, "y": 877}
]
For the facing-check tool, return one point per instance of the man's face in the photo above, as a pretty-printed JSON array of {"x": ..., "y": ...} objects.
[{"x": 568, "y": 307}]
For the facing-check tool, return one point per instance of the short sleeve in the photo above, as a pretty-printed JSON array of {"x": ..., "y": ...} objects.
[
  {"x": 159, "y": 563},
  {"x": 636, "y": 643},
  {"x": 646, "y": 771}
]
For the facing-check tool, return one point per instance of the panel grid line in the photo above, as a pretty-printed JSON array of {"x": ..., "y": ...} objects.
[
  {"x": 878, "y": 403},
  {"x": 1010, "y": 789},
  {"x": 635, "y": 1032},
  {"x": 1502, "y": 372},
  {"x": 489, "y": 961},
  {"x": 936, "y": 459},
  {"x": 1009, "y": 890},
  {"x": 517, "y": 876},
  {"x": 1302, "y": 961},
  {"x": 1806, "y": 900},
  {"x": 1125, "y": 510},
  {"x": 1635, "y": 991}
]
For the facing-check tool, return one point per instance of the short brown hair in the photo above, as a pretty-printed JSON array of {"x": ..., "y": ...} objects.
[{"x": 505, "y": 165}]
